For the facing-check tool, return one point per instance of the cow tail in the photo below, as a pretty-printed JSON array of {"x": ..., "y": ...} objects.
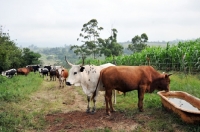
[{"x": 95, "y": 92}]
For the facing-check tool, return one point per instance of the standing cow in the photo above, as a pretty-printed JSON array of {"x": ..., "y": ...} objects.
[
  {"x": 44, "y": 72},
  {"x": 24, "y": 71},
  {"x": 87, "y": 77},
  {"x": 35, "y": 67},
  {"x": 49, "y": 67},
  {"x": 53, "y": 74},
  {"x": 128, "y": 78},
  {"x": 62, "y": 75},
  {"x": 9, "y": 73}
]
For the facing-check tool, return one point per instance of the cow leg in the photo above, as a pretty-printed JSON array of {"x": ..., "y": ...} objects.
[
  {"x": 114, "y": 96},
  {"x": 141, "y": 92},
  {"x": 94, "y": 107},
  {"x": 108, "y": 98},
  {"x": 110, "y": 101},
  {"x": 88, "y": 106},
  {"x": 62, "y": 83}
]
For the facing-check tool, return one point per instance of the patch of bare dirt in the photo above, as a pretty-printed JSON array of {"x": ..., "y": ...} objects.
[
  {"x": 76, "y": 121},
  {"x": 73, "y": 117}
]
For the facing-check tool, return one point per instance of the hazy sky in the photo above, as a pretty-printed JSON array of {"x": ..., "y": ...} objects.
[{"x": 54, "y": 23}]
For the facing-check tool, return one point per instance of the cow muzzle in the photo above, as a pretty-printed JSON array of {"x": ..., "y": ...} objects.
[{"x": 68, "y": 83}]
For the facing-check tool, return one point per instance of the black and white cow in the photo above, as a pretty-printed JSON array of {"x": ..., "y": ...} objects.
[
  {"x": 44, "y": 72},
  {"x": 49, "y": 67},
  {"x": 9, "y": 73},
  {"x": 35, "y": 67}
]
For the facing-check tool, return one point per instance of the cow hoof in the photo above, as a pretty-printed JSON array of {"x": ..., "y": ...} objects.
[
  {"x": 88, "y": 111},
  {"x": 93, "y": 112},
  {"x": 141, "y": 110},
  {"x": 113, "y": 111},
  {"x": 108, "y": 114}
]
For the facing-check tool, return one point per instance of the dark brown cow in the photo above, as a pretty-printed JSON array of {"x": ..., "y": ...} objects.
[
  {"x": 24, "y": 70},
  {"x": 53, "y": 74},
  {"x": 128, "y": 78},
  {"x": 62, "y": 75}
]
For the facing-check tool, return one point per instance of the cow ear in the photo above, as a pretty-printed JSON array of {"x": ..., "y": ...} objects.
[{"x": 82, "y": 69}]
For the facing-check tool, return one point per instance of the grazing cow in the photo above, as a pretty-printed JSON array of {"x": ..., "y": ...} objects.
[
  {"x": 39, "y": 70},
  {"x": 24, "y": 71},
  {"x": 9, "y": 73},
  {"x": 44, "y": 72},
  {"x": 53, "y": 74},
  {"x": 35, "y": 67},
  {"x": 87, "y": 77},
  {"x": 48, "y": 67},
  {"x": 128, "y": 78},
  {"x": 62, "y": 75}
]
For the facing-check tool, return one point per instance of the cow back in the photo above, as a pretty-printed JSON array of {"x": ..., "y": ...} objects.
[
  {"x": 24, "y": 70},
  {"x": 128, "y": 78}
]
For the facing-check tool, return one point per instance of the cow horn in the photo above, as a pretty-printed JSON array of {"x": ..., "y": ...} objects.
[
  {"x": 169, "y": 74},
  {"x": 68, "y": 61}
]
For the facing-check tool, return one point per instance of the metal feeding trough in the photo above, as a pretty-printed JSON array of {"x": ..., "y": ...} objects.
[{"x": 183, "y": 104}]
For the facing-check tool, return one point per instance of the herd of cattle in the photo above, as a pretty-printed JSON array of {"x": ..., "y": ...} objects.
[
  {"x": 52, "y": 71},
  {"x": 106, "y": 77}
]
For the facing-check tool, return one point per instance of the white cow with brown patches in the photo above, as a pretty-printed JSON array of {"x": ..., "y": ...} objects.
[{"x": 87, "y": 77}]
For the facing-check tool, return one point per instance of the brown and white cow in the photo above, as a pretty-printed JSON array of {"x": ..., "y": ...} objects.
[
  {"x": 24, "y": 71},
  {"x": 145, "y": 79},
  {"x": 62, "y": 75}
]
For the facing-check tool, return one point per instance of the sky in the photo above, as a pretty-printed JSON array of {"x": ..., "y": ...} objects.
[{"x": 55, "y": 23}]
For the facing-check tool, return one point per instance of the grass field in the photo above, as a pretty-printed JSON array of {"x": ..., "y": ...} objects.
[{"x": 25, "y": 101}]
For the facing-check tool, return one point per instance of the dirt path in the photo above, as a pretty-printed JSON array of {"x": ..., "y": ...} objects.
[{"x": 65, "y": 111}]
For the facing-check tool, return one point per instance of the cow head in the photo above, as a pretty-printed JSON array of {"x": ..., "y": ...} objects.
[
  {"x": 163, "y": 82},
  {"x": 75, "y": 72}
]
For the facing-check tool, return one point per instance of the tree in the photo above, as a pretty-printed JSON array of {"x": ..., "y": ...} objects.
[
  {"x": 90, "y": 34},
  {"x": 138, "y": 43},
  {"x": 30, "y": 57},
  {"x": 110, "y": 47},
  {"x": 80, "y": 50},
  {"x": 12, "y": 56}
]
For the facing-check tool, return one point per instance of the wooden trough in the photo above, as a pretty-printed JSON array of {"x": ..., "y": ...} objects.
[{"x": 183, "y": 104}]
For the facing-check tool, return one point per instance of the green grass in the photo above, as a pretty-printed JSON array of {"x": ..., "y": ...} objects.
[
  {"x": 19, "y": 113},
  {"x": 19, "y": 87},
  {"x": 155, "y": 117},
  {"x": 12, "y": 91}
]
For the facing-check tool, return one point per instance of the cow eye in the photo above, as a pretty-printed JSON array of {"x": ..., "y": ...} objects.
[{"x": 75, "y": 73}]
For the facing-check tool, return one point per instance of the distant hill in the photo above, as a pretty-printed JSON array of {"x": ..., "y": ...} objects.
[
  {"x": 55, "y": 55},
  {"x": 163, "y": 43}
]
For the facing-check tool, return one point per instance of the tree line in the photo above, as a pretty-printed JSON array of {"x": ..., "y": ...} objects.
[{"x": 12, "y": 56}]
